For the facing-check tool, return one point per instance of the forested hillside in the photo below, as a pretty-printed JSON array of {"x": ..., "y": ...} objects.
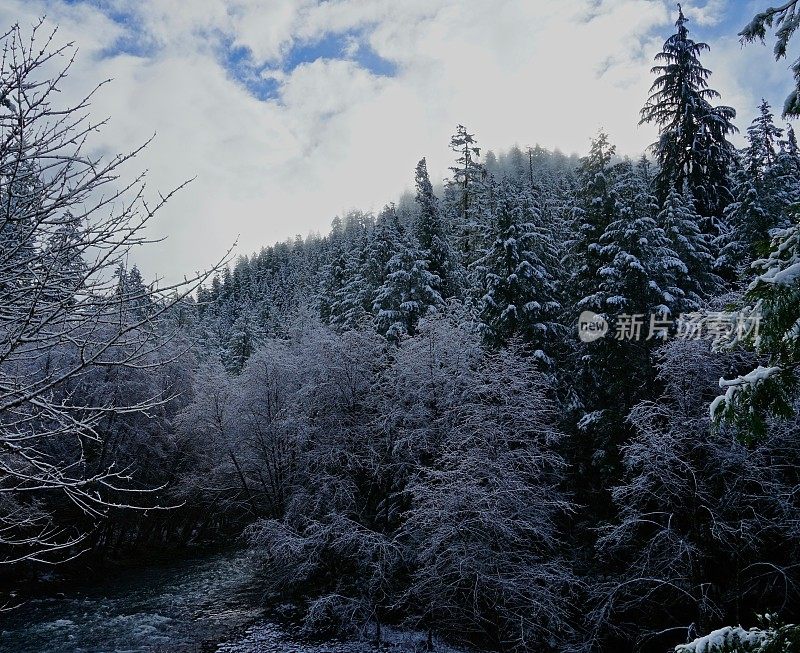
[{"x": 405, "y": 419}]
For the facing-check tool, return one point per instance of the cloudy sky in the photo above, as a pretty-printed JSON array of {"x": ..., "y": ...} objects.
[{"x": 289, "y": 112}]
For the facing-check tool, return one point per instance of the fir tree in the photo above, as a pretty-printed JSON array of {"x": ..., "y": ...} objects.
[
  {"x": 515, "y": 284},
  {"x": 409, "y": 292},
  {"x": 766, "y": 187},
  {"x": 695, "y": 277},
  {"x": 594, "y": 211},
  {"x": 770, "y": 325},
  {"x": 132, "y": 289},
  {"x": 352, "y": 303},
  {"x": 465, "y": 193},
  {"x": 639, "y": 266},
  {"x": 243, "y": 339},
  {"x": 692, "y": 148},
  {"x": 764, "y": 139},
  {"x": 747, "y": 222},
  {"x": 334, "y": 279},
  {"x": 430, "y": 233},
  {"x": 63, "y": 258}
]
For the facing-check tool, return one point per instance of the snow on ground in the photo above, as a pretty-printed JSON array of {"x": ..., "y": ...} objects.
[{"x": 271, "y": 638}]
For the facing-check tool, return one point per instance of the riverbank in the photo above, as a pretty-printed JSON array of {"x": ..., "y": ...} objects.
[
  {"x": 208, "y": 603},
  {"x": 268, "y": 637}
]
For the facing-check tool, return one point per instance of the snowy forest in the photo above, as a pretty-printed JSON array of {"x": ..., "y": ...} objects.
[{"x": 410, "y": 422}]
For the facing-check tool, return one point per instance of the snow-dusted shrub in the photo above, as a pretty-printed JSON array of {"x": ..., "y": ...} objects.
[
  {"x": 725, "y": 640},
  {"x": 773, "y": 638}
]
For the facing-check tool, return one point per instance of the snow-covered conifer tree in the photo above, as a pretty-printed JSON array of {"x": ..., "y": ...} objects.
[
  {"x": 409, "y": 292},
  {"x": 681, "y": 224},
  {"x": 693, "y": 146},
  {"x": 515, "y": 282},
  {"x": 432, "y": 238}
]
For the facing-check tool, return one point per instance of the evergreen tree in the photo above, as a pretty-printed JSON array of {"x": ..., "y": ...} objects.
[
  {"x": 696, "y": 277},
  {"x": 764, "y": 139},
  {"x": 639, "y": 266},
  {"x": 692, "y": 148},
  {"x": 334, "y": 279},
  {"x": 408, "y": 293},
  {"x": 631, "y": 282},
  {"x": 352, "y": 303},
  {"x": 514, "y": 280},
  {"x": 766, "y": 187},
  {"x": 132, "y": 289},
  {"x": 769, "y": 324},
  {"x": 465, "y": 193},
  {"x": 243, "y": 339},
  {"x": 63, "y": 260},
  {"x": 747, "y": 225},
  {"x": 594, "y": 211},
  {"x": 430, "y": 233},
  {"x": 383, "y": 243},
  {"x": 785, "y": 19}
]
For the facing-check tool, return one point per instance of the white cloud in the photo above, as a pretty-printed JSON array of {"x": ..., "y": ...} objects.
[{"x": 339, "y": 136}]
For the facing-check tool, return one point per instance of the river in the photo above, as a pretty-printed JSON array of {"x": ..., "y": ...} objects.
[
  {"x": 181, "y": 606},
  {"x": 205, "y": 604}
]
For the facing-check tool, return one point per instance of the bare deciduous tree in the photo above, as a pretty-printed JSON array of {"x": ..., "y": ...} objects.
[{"x": 68, "y": 221}]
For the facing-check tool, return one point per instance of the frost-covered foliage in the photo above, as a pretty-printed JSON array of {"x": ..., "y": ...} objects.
[
  {"x": 399, "y": 416},
  {"x": 774, "y": 297},
  {"x": 409, "y": 292},
  {"x": 515, "y": 276},
  {"x": 426, "y": 489},
  {"x": 767, "y": 188},
  {"x": 695, "y": 277},
  {"x": 785, "y": 19},
  {"x": 725, "y": 640},
  {"x": 85, "y": 345},
  {"x": 699, "y": 514}
]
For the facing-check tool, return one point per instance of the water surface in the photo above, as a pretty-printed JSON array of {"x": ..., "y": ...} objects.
[{"x": 180, "y": 607}]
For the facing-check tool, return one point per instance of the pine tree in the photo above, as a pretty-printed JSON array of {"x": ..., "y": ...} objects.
[
  {"x": 639, "y": 266},
  {"x": 409, "y": 292},
  {"x": 785, "y": 20},
  {"x": 747, "y": 222},
  {"x": 132, "y": 289},
  {"x": 383, "y": 243},
  {"x": 633, "y": 279},
  {"x": 243, "y": 339},
  {"x": 334, "y": 278},
  {"x": 514, "y": 279},
  {"x": 766, "y": 187},
  {"x": 769, "y": 324},
  {"x": 352, "y": 303},
  {"x": 465, "y": 193},
  {"x": 594, "y": 212},
  {"x": 696, "y": 279},
  {"x": 764, "y": 139},
  {"x": 692, "y": 149},
  {"x": 430, "y": 233},
  {"x": 63, "y": 260},
  {"x": 789, "y": 144}
]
